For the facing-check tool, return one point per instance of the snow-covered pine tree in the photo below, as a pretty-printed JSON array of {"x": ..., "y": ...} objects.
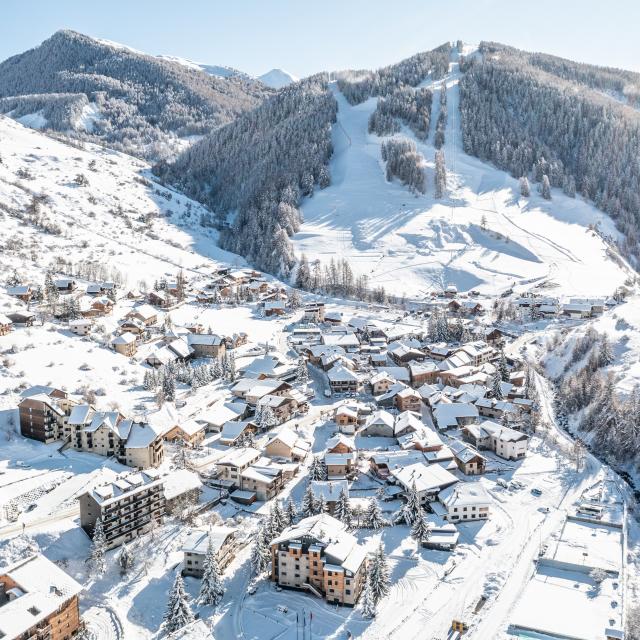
[
  {"x": 277, "y": 519},
  {"x": 180, "y": 459},
  {"x": 342, "y": 509},
  {"x": 308, "y": 507},
  {"x": 318, "y": 469},
  {"x": 267, "y": 417},
  {"x": 545, "y": 188},
  {"x": 211, "y": 589},
  {"x": 420, "y": 530},
  {"x": 303, "y": 276},
  {"x": 290, "y": 512},
  {"x": 378, "y": 574},
  {"x": 302, "y": 374},
  {"x": 321, "y": 505},
  {"x": 231, "y": 367},
  {"x": 169, "y": 387},
  {"x": 503, "y": 367},
  {"x": 368, "y": 603},
  {"x": 178, "y": 614},
  {"x": 98, "y": 550},
  {"x": 373, "y": 518},
  {"x": 440, "y": 177},
  {"x": 605, "y": 352},
  {"x": 496, "y": 387},
  {"x": 411, "y": 510},
  {"x": 260, "y": 552},
  {"x": 525, "y": 189},
  {"x": 125, "y": 559}
]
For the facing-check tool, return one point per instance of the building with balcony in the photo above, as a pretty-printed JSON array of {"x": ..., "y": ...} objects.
[
  {"x": 44, "y": 412},
  {"x": 109, "y": 433},
  {"x": 318, "y": 555},
  {"x": 129, "y": 506}
]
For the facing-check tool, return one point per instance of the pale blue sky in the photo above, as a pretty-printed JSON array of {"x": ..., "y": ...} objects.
[{"x": 305, "y": 36}]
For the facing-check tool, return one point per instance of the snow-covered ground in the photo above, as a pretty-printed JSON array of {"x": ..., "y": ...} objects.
[
  {"x": 361, "y": 217},
  {"x": 413, "y": 244}
]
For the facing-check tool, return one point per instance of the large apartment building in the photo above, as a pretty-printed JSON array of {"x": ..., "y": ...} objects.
[
  {"x": 109, "y": 433},
  {"x": 129, "y": 506},
  {"x": 318, "y": 555},
  {"x": 44, "y": 412},
  {"x": 38, "y": 601}
]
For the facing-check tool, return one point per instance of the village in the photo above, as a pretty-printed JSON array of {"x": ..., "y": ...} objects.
[{"x": 299, "y": 460}]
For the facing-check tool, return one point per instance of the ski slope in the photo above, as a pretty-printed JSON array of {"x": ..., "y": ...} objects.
[{"x": 413, "y": 244}]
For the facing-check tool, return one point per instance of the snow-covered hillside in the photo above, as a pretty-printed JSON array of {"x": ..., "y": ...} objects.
[
  {"x": 482, "y": 235},
  {"x": 217, "y": 70},
  {"x": 121, "y": 217},
  {"x": 277, "y": 78}
]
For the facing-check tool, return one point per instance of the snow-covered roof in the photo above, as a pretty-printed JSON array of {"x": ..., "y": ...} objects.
[
  {"x": 124, "y": 484},
  {"x": 339, "y": 459},
  {"x": 464, "y": 494},
  {"x": 204, "y": 339},
  {"x": 286, "y": 435},
  {"x": 464, "y": 452},
  {"x": 231, "y": 431},
  {"x": 44, "y": 587},
  {"x": 341, "y": 374},
  {"x": 5, "y": 320},
  {"x": 198, "y": 539},
  {"x": 19, "y": 290},
  {"x": 48, "y": 400},
  {"x": 239, "y": 457},
  {"x": 381, "y": 417},
  {"x": 341, "y": 439},
  {"x": 401, "y": 374},
  {"x": 179, "y": 482},
  {"x": 222, "y": 412},
  {"x": 263, "y": 474},
  {"x": 125, "y": 338},
  {"x": 490, "y": 429},
  {"x": 329, "y": 489},
  {"x": 142, "y": 436},
  {"x": 145, "y": 311},
  {"x": 446, "y": 415},
  {"x": 426, "y": 478}
]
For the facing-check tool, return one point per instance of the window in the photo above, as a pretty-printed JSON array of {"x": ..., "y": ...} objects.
[{"x": 348, "y": 591}]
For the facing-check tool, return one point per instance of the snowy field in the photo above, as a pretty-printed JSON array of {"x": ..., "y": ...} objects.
[{"x": 414, "y": 244}]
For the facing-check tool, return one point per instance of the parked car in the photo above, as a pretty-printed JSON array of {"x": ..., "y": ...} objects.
[{"x": 536, "y": 492}]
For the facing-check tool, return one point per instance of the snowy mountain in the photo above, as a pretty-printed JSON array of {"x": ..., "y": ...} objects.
[
  {"x": 481, "y": 235},
  {"x": 103, "y": 91},
  {"x": 389, "y": 219},
  {"x": 277, "y": 78}
]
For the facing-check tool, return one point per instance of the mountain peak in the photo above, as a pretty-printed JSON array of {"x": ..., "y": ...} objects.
[{"x": 277, "y": 78}]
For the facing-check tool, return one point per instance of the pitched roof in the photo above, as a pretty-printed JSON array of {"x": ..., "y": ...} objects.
[
  {"x": 198, "y": 540},
  {"x": 426, "y": 478},
  {"x": 45, "y": 588}
]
